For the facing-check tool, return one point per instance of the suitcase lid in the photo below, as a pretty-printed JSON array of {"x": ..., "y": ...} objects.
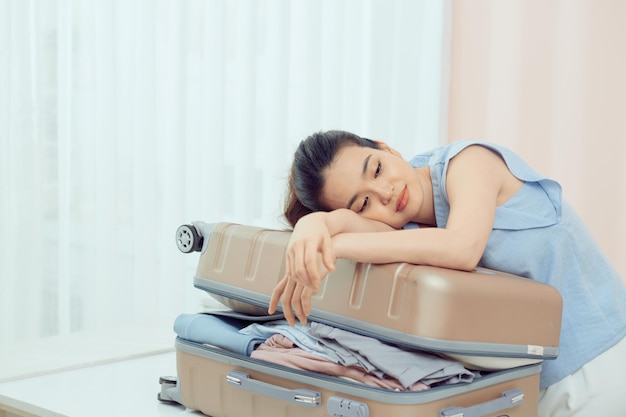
[{"x": 484, "y": 313}]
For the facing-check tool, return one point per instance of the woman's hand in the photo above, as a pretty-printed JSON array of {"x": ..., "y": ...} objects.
[
  {"x": 310, "y": 255},
  {"x": 294, "y": 296},
  {"x": 311, "y": 238}
]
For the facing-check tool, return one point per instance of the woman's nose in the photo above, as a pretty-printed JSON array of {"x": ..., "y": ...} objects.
[{"x": 385, "y": 192}]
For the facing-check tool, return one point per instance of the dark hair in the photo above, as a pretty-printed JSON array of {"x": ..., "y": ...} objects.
[{"x": 313, "y": 156}]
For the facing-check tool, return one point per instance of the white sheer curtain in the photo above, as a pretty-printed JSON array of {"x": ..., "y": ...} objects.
[{"x": 121, "y": 120}]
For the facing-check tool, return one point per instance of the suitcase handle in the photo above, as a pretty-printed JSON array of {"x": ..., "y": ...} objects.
[
  {"x": 298, "y": 396},
  {"x": 509, "y": 399}
]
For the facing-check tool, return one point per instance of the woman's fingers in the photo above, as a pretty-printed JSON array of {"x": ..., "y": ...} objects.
[
  {"x": 303, "y": 262},
  {"x": 296, "y": 304},
  {"x": 305, "y": 298},
  {"x": 293, "y": 297},
  {"x": 286, "y": 302},
  {"x": 276, "y": 295}
]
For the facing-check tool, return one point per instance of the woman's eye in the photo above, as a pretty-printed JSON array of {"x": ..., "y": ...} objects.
[
  {"x": 364, "y": 204},
  {"x": 378, "y": 169}
]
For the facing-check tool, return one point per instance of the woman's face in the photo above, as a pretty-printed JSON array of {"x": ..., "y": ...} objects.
[{"x": 376, "y": 183}]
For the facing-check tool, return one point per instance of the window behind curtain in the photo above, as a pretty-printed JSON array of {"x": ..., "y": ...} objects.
[{"x": 121, "y": 120}]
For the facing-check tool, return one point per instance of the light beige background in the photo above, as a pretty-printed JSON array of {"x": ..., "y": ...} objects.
[{"x": 547, "y": 79}]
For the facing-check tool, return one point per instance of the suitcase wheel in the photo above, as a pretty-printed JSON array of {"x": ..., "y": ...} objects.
[
  {"x": 166, "y": 400},
  {"x": 188, "y": 239},
  {"x": 170, "y": 392},
  {"x": 168, "y": 380}
]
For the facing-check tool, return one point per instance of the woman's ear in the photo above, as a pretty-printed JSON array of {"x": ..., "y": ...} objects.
[{"x": 384, "y": 147}]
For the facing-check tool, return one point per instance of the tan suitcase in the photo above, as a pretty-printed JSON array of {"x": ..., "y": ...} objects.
[
  {"x": 220, "y": 384},
  {"x": 486, "y": 319}
]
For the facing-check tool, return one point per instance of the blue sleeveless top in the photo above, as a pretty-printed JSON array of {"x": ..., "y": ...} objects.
[{"x": 538, "y": 235}]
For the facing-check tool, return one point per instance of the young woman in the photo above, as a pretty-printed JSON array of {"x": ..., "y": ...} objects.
[{"x": 460, "y": 206}]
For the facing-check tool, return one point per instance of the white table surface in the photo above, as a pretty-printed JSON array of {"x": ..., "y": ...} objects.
[{"x": 124, "y": 388}]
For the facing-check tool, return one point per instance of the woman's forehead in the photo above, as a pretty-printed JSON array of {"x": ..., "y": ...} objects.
[
  {"x": 342, "y": 176},
  {"x": 352, "y": 158},
  {"x": 349, "y": 163}
]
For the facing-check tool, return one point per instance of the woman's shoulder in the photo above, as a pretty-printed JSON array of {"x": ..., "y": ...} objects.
[{"x": 442, "y": 154}]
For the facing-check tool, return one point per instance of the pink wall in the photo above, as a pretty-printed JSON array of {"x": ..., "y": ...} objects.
[{"x": 547, "y": 79}]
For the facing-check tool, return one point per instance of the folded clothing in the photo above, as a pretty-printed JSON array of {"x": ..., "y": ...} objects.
[
  {"x": 218, "y": 331},
  {"x": 298, "y": 334},
  {"x": 281, "y": 350},
  {"x": 408, "y": 366},
  {"x": 322, "y": 348}
]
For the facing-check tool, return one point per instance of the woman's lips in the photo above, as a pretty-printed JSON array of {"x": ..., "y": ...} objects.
[{"x": 403, "y": 199}]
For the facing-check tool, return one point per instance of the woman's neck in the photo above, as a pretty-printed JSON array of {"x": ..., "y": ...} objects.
[{"x": 426, "y": 214}]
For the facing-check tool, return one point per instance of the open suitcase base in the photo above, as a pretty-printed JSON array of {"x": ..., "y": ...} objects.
[{"x": 220, "y": 383}]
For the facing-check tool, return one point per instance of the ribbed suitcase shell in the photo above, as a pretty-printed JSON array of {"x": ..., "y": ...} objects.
[
  {"x": 469, "y": 315},
  {"x": 208, "y": 376}
]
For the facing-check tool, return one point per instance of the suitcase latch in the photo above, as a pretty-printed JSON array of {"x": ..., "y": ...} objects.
[{"x": 343, "y": 407}]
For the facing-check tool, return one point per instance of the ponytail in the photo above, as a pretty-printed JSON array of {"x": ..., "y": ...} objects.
[{"x": 295, "y": 210}]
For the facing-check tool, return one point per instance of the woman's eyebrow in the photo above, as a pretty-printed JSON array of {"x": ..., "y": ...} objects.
[{"x": 365, "y": 163}]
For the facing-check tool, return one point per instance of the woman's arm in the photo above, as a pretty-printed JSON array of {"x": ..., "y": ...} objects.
[
  {"x": 310, "y": 256},
  {"x": 312, "y": 237},
  {"x": 347, "y": 221},
  {"x": 424, "y": 246},
  {"x": 477, "y": 182}
]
